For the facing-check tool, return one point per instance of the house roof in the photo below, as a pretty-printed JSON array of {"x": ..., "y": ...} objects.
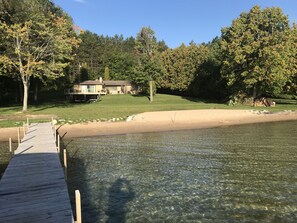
[
  {"x": 106, "y": 83},
  {"x": 97, "y": 82},
  {"x": 116, "y": 83}
]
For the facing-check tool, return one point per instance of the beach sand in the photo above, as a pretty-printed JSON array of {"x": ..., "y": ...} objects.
[{"x": 165, "y": 121}]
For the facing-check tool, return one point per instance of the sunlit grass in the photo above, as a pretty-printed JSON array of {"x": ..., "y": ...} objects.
[{"x": 117, "y": 108}]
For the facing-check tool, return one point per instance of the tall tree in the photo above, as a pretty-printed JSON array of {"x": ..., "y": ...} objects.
[
  {"x": 88, "y": 53},
  {"x": 258, "y": 52},
  {"x": 148, "y": 52},
  {"x": 291, "y": 86},
  {"x": 181, "y": 65},
  {"x": 146, "y": 42},
  {"x": 38, "y": 42},
  {"x": 208, "y": 82},
  {"x": 106, "y": 74}
]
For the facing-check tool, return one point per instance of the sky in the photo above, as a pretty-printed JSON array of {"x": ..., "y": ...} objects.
[{"x": 174, "y": 21}]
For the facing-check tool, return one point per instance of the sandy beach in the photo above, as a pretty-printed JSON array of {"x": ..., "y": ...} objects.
[{"x": 165, "y": 121}]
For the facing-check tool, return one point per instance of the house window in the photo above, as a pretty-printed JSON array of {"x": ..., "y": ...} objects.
[
  {"x": 84, "y": 88},
  {"x": 92, "y": 88}
]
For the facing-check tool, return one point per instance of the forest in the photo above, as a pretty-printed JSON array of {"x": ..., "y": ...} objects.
[{"x": 42, "y": 53}]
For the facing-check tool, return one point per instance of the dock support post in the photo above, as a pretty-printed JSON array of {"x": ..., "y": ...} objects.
[
  {"x": 27, "y": 127},
  {"x": 19, "y": 140},
  {"x": 10, "y": 146},
  {"x": 65, "y": 163},
  {"x": 78, "y": 206},
  {"x": 58, "y": 146},
  {"x": 24, "y": 129},
  {"x": 55, "y": 134}
]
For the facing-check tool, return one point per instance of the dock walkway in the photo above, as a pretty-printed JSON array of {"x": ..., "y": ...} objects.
[{"x": 33, "y": 187}]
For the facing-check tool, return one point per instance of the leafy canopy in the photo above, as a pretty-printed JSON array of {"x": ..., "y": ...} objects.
[
  {"x": 258, "y": 51},
  {"x": 38, "y": 41}
]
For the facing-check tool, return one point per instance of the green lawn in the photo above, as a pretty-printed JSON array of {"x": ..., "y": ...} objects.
[{"x": 116, "y": 107}]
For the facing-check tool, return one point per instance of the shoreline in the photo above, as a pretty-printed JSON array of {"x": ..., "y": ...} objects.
[{"x": 164, "y": 121}]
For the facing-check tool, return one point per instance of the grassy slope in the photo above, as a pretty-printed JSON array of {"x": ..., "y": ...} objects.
[{"x": 115, "y": 106}]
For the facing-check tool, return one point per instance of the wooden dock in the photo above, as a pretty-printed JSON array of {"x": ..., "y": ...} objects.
[{"x": 33, "y": 187}]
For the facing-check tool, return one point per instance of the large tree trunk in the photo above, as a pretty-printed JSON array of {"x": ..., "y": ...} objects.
[{"x": 25, "y": 100}]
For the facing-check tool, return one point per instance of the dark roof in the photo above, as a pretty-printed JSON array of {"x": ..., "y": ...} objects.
[
  {"x": 116, "y": 83},
  {"x": 97, "y": 82},
  {"x": 107, "y": 83}
]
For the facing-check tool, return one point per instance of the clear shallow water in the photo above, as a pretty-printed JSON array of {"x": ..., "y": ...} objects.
[
  {"x": 232, "y": 174},
  {"x": 5, "y": 155}
]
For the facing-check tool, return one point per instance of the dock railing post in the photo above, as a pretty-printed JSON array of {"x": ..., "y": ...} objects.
[
  {"x": 27, "y": 127},
  {"x": 19, "y": 140},
  {"x": 10, "y": 146},
  {"x": 78, "y": 206},
  {"x": 58, "y": 146},
  {"x": 24, "y": 129},
  {"x": 55, "y": 133},
  {"x": 65, "y": 163}
]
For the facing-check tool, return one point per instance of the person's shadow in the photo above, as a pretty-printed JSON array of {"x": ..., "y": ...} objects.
[{"x": 120, "y": 193}]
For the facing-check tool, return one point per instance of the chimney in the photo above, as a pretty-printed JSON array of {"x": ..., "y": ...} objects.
[{"x": 100, "y": 80}]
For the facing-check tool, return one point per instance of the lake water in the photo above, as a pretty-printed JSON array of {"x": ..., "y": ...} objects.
[{"x": 233, "y": 174}]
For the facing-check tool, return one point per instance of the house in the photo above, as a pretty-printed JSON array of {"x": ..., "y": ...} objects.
[
  {"x": 92, "y": 89},
  {"x": 118, "y": 87}
]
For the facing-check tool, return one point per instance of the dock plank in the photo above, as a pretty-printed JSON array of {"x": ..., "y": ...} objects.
[{"x": 33, "y": 187}]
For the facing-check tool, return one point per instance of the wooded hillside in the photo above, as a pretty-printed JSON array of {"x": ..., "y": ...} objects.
[{"x": 41, "y": 51}]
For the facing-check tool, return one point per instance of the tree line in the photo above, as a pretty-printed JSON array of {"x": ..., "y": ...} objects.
[{"x": 253, "y": 57}]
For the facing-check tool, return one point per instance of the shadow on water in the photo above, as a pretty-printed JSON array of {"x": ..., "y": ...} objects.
[
  {"x": 101, "y": 201},
  {"x": 78, "y": 179},
  {"x": 120, "y": 193},
  {"x": 2, "y": 168}
]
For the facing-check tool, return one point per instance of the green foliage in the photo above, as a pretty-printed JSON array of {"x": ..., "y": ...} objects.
[
  {"x": 258, "y": 52},
  {"x": 255, "y": 55},
  {"x": 209, "y": 82},
  {"x": 98, "y": 52},
  {"x": 106, "y": 74},
  {"x": 146, "y": 88},
  {"x": 146, "y": 43},
  {"x": 38, "y": 41},
  {"x": 87, "y": 55},
  {"x": 180, "y": 66},
  {"x": 147, "y": 51},
  {"x": 84, "y": 72}
]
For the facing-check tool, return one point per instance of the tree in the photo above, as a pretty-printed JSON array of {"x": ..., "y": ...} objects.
[
  {"x": 98, "y": 52},
  {"x": 106, "y": 74},
  {"x": 208, "y": 82},
  {"x": 180, "y": 67},
  {"x": 291, "y": 86},
  {"x": 148, "y": 51},
  {"x": 258, "y": 51},
  {"x": 146, "y": 43},
  {"x": 38, "y": 44},
  {"x": 88, "y": 53}
]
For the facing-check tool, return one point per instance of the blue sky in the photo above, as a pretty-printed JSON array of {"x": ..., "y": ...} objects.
[{"x": 174, "y": 21}]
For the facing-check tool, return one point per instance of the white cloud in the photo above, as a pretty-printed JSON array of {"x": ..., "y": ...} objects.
[{"x": 80, "y": 1}]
